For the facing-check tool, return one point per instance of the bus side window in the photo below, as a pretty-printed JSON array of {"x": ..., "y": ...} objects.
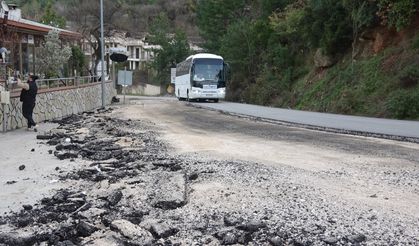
[
  {"x": 192, "y": 71},
  {"x": 226, "y": 69}
]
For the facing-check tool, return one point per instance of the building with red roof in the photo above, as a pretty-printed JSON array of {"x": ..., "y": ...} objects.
[{"x": 22, "y": 37}]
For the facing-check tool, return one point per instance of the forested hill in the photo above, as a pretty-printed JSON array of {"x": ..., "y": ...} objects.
[
  {"x": 356, "y": 57},
  {"x": 134, "y": 16},
  {"x": 343, "y": 56}
]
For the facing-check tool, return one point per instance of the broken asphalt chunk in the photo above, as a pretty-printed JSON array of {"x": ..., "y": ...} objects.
[
  {"x": 172, "y": 190},
  {"x": 114, "y": 197}
]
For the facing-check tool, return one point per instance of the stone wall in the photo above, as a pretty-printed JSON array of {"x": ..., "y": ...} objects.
[{"x": 56, "y": 104}]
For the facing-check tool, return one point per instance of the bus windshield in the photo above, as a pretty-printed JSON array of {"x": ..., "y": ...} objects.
[{"x": 209, "y": 70}]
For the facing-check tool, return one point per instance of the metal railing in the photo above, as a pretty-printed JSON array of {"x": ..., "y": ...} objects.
[{"x": 66, "y": 82}]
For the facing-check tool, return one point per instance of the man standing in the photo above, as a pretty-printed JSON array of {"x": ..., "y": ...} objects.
[{"x": 28, "y": 98}]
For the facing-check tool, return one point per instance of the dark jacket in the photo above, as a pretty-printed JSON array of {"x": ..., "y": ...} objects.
[{"x": 29, "y": 96}]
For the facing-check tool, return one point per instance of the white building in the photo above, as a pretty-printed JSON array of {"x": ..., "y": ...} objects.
[{"x": 138, "y": 51}]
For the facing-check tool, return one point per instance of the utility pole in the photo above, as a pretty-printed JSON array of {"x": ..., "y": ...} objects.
[{"x": 102, "y": 41}]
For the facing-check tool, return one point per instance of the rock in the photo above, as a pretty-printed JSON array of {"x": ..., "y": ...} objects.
[
  {"x": 67, "y": 207},
  {"x": 330, "y": 240},
  {"x": 114, "y": 197},
  {"x": 67, "y": 146},
  {"x": 53, "y": 141},
  {"x": 193, "y": 176},
  {"x": 11, "y": 182},
  {"x": 132, "y": 232},
  {"x": 27, "y": 207},
  {"x": 163, "y": 230},
  {"x": 171, "y": 190},
  {"x": 115, "y": 99},
  {"x": 44, "y": 137},
  {"x": 276, "y": 241},
  {"x": 358, "y": 238},
  {"x": 66, "y": 243},
  {"x": 109, "y": 238},
  {"x": 229, "y": 238},
  {"x": 298, "y": 242},
  {"x": 65, "y": 155},
  {"x": 322, "y": 60},
  {"x": 85, "y": 229},
  {"x": 245, "y": 238},
  {"x": 251, "y": 226},
  {"x": 17, "y": 237},
  {"x": 92, "y": 213},
  {"x": 170, "y": 164},
  {"x": 101, "y": 156},
  {"x": 232, "y": 220},
  {"x": 24, "y": 221},
  {"x": 50, "y": 151},
  {"x": 32, "y": 150},
  {"x": 60, "y": 196},
  {"x": 22, "y": 167},
  {"x": 136, "y": 217}
]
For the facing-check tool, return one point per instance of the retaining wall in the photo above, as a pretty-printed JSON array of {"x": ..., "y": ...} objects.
[
  {"x": 55, "y": 104},
  {"x": 143, "y": 90}
]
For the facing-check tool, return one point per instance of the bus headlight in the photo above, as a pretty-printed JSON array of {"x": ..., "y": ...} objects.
[
  {"x": 196, "y": 91},
  {"x": 222, "y": 91}
]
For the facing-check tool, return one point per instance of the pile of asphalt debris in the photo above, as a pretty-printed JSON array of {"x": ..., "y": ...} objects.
[{"x": 131, "y": 191}]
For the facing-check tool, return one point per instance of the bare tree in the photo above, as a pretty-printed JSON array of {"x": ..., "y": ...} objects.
[
  {"x": 133, "y": 16},
  {"x": 84, "y": 15}
]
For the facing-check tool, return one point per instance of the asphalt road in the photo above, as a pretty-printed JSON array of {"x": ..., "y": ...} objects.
[{"x": 386, "y": 128}]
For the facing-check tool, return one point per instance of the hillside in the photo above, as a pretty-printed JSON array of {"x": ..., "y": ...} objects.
[
  {"x": 382, "y": 81},
  {"x": 136, "y": 16},
  {"x": 351, "y": 57}
]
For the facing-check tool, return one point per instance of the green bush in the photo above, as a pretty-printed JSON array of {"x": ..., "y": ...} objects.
[
  {"x": 77, "y": 60},
  {"x": 404, "y": 104},
  {"x": 327, "y": 25},
  {"x": 348, "y": 102},
  {"x": 415, "y": 43},
  {"x": 397, "y": 13},
  {"x": 409, "y": 77}
]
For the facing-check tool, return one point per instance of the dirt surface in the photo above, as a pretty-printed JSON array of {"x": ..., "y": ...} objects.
[{"x": 162, "y": 172}]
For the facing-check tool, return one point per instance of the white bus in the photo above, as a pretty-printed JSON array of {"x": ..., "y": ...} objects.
[{"x": 201, "y": 77}]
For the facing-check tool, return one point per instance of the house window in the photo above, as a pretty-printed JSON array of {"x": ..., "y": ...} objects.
[{"x": 137, "y": 53}]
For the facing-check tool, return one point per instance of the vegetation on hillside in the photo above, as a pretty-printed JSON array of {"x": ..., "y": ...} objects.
[{"x": 318, "y": 54}]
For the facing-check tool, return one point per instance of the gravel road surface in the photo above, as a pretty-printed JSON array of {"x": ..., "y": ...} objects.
[{"x": 162, "y": 172}]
